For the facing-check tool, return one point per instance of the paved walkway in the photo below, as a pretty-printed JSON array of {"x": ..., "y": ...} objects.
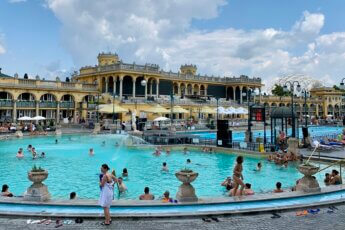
[{"x": 288, "y": 220}]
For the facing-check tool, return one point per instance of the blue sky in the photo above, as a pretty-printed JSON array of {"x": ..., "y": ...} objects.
[{"x": 275, "y": 38}]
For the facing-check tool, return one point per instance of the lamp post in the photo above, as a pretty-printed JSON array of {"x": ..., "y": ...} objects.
[
  {"x": 171, "y": 106},
  {"x": 292, "y": 86},
  {"x": 97, "y": 106},
  {"x": 249, "y": 129},
  {"x": 306, "y": 94},
  {"x": 113, "y": 108},
  {"x": 217, "y": 98},
  {"x": 342, "y": 87}
]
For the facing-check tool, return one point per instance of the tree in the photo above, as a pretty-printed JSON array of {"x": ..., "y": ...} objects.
[{"x": 278, "y": 90}]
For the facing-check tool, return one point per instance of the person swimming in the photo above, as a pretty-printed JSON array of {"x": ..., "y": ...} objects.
[
  {"x": 91, "y": 152},
  {"x": 157, "y": 152},
  {"x": 43, "y": 155},
  {"x": 189, "y": 161},
  {"x": 34, "y": 153},
  {"x": 258, "y": 167},
  {"x": 117, "y": 144},
  {"x": 29, "y": 148},
  {"x": 167, "y": 151},
  {"x": 122, "y": 186},
  {"x": 165, "y": 167},
  {"x": 56, "y": 141},
  {"x": 20, "y": 153},
  {"x": 185, "y": 150},
  {"x": 125, "y": 172}
]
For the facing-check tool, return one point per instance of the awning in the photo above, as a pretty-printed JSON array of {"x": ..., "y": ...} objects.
[
  {"x": 207, "y": 110},
  {"x": 156, "y": 109},
  {"x": 25, "y": 118},
  {"x": 179, "y": 109},
  {"x": 110, "y": 108}
]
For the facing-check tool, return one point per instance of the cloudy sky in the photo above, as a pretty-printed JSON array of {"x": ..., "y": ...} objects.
[{"x": 263, "y": 38}]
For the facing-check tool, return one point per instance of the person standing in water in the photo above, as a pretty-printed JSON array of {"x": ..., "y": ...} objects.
[
  {"x": 91, "y": 152},
  {"x": 106, "y": 195},
  {"x": 238, "y": 177}
]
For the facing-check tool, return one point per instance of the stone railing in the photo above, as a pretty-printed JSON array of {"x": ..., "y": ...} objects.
[
  {"x": 66, "y": 104},
  {"x": 44, "y": 84},
  {"x": 147, "y": 69},
  {"x": 26, "y": 104},
  {"x": 48, "y": 104},
  {"x": 287, "y": 99},
  {"x": 6, "y": 103}
]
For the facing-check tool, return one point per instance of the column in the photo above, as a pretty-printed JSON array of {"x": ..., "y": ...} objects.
[
  {"x": 151, "y": 87},
  {"x": 145, "y": 88},
  {"x": 157, "y": 88},
  {"x": 75, "y": 112},
  {"x": 106, "y": 85},
  {"x": 58, "y": 112},
  {"x": 133, "y": 89},
  {"x": 234, "y": 93},
  {"x": 317, "y": 110},
  {"x": 260, "y": 95},
  {"x": 121, "y": 81},
  {"x": 199, "y": 90},
  {"x": 37, "y": 108},
  {"x": 114, "y": 86},
  {"x": 14, "y": 112},
  {"x": 179, "y": 89},
  {"x": 241, "y": 96}
]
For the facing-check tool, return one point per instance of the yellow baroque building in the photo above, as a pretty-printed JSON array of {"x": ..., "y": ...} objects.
[
  {"x": 322, "y": 101},
  {"x": 134, "y": 87}
]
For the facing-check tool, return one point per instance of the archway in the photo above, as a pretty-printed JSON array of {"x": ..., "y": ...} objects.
[{"x": 127, "y": 86}]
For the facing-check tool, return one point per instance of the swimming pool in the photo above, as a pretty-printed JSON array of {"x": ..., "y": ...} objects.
[
  {"x": 72, "y": 169},
  {"x": 240, "y": 135}
]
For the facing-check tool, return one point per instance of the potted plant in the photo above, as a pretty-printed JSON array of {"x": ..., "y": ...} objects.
[
  {"x": 37, "y": 191},
  {"x": 37, "y": 174}
]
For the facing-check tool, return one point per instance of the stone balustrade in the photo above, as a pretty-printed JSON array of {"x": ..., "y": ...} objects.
[
  {"x": 154, "y": 69},
  {"x": 45, "y": 84}
]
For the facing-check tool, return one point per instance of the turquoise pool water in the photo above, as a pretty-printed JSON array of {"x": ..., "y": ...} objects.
[
  {"x": 240, "y": 135},
  {"x": 72, "y": 169}
]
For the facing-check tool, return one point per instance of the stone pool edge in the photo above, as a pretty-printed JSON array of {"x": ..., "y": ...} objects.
[{"x": 206, "y": 201}]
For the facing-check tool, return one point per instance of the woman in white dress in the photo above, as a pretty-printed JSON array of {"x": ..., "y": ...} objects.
[{"x": 106, "y": 197}]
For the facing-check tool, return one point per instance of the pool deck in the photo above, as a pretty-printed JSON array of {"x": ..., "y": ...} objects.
[{"x": 325, "y": 219}]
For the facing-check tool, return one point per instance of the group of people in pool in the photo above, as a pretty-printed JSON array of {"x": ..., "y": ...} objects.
[
  {"x": 32, "y": 150},
  {"x": 235, "y": 184},
  {"x": 332, "y": 178},
  {"x": 107, "y": 183},
  {"x": 282, "y": 158}
]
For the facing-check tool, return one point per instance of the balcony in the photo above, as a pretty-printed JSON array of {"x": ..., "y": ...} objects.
[
  {"x": 48, "y": 104},
  {"x": 91, "y": 106},
  {"x": 45, "y": 84},
  {"x": 6, "y": 103},
  {"x": 26, "y": 104},
  {"x": 67, "y": 104}
]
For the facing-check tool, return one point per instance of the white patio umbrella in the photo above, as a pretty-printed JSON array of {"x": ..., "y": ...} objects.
[
  {"x": 25, "y": 118},
  {"x": 230, "y": 110},
  {"x": 161, "y": 119},
  {"x": 241, "y": 110},
  {"x": 221, "y": 110},
  {"x": 38, "y": 118}
]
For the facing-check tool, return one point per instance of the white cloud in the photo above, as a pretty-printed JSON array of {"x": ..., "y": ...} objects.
[
  {"x": 16, "y": 1},
  {"x": 160, "y": 32},
  {"x": 2, "y": 46}
]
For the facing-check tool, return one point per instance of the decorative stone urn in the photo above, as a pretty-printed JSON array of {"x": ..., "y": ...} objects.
[
  {"x": 58, "y": 130},
  {"x": 186, "y": 192},
  {"x": 97, "y": 128},
  {"x": 308, "y": 183},
  {"x": 19, "y": 133},
  {"x": 37, "y": 191},
  {"x": 293, "y": 146}
]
